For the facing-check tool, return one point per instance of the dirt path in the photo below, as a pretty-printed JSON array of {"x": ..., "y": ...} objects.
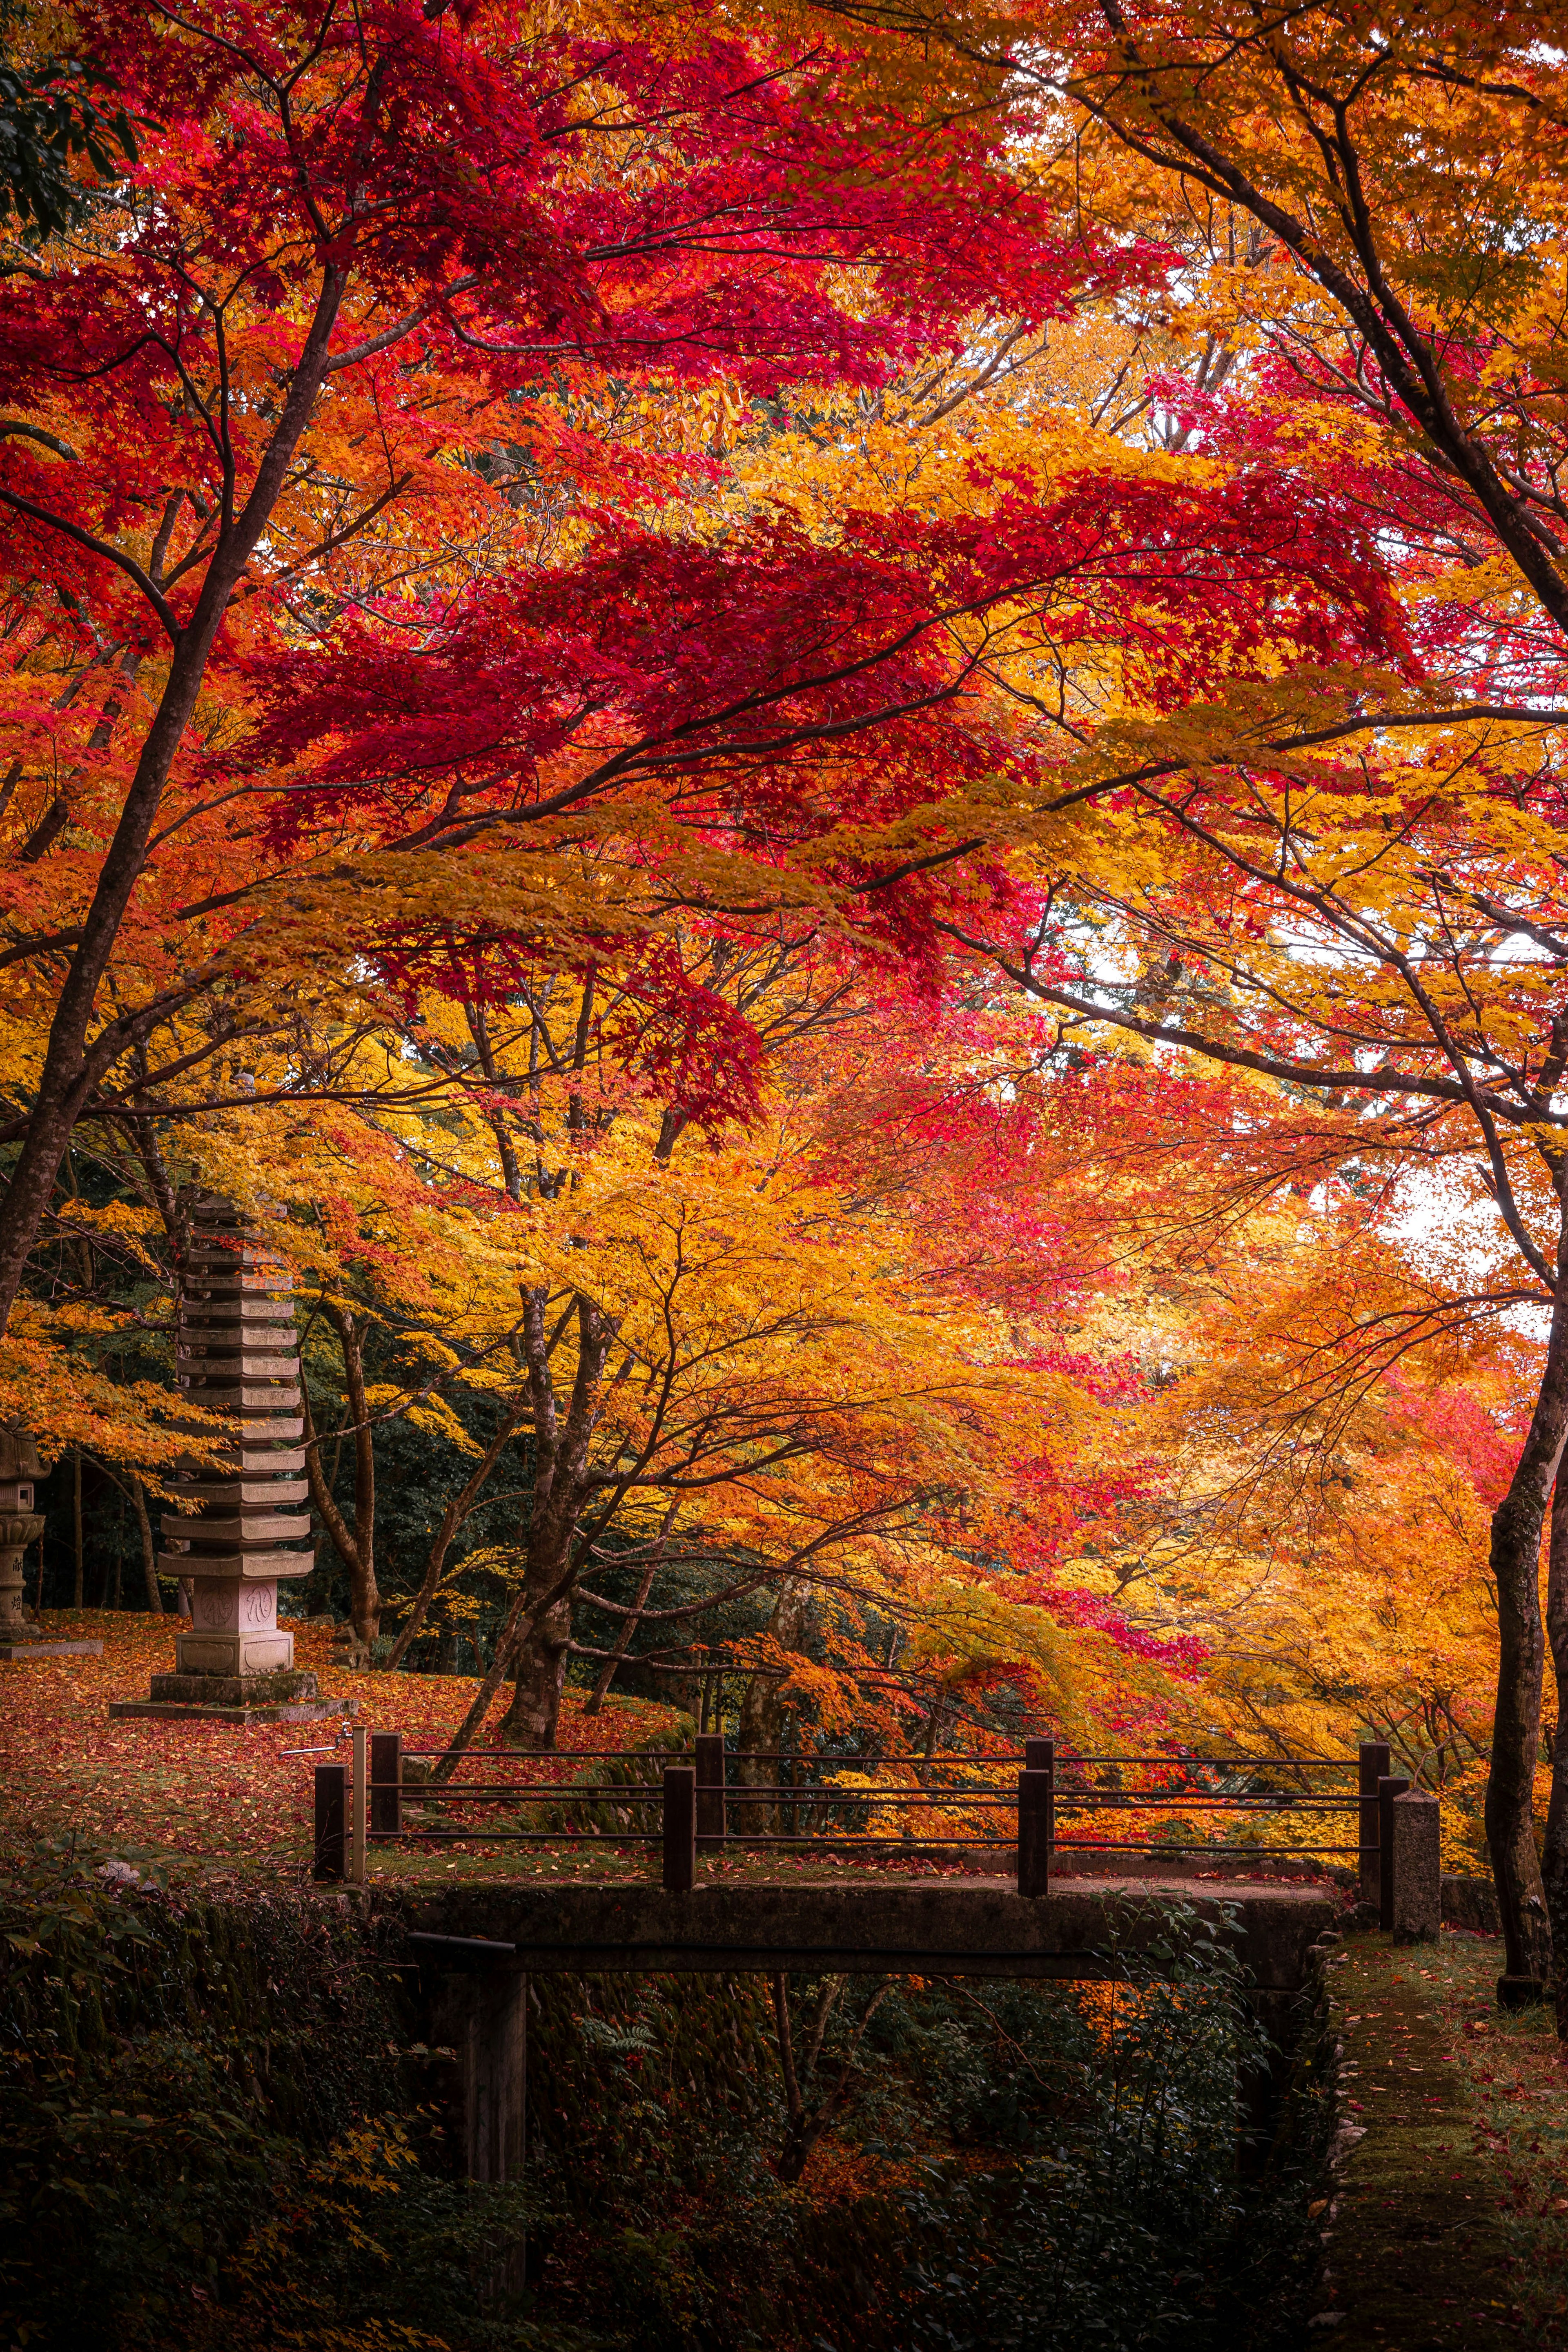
[{"x": 1445, "y": 2231}]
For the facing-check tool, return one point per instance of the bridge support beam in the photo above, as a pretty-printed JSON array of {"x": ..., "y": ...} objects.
[
  {"x": 484, "y": 2018},
  {"x": 476, "y": 2002}
]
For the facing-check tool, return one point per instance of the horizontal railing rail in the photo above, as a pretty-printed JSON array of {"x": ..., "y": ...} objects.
[{"x": 707, "y": 1806}]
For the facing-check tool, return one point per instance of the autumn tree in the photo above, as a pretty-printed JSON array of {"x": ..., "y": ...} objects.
[
  {"x": 1372, "y": 216},
  {"x": 296, "y": 359}
]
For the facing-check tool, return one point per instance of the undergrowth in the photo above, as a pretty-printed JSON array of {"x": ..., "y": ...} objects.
[{"x": 222, "y": 2129}]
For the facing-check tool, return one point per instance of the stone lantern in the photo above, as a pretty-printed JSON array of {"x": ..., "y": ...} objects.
[
  {"x": 243, "y": 1527},
  {"x": 20, "y": 1524}
]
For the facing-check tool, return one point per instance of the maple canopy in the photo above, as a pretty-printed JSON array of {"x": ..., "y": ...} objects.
[{"x": 824, "y": 750}]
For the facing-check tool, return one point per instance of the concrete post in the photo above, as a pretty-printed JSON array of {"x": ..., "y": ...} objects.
[
  {"x": 1373, "y": 1765},
  {"x": 485, "y": 2018},
  {"x": 479, "y": 2008},
  {"x": 359, "y": 1817},
  {"x": 386, "y": 1783},
  {"x": 1387, "y": 1789},
  {"x": 1417, "y": 1867}
]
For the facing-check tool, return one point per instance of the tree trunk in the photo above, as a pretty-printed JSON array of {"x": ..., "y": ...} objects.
[
  {"x": 355, "y": 1546},
  {"x": 804, "y": 2125},
  {"x": 148, "y": 1551},
  {"x": 535, "y": 1712},
  {"x": 629, "y": 1623},
  {"x": 76, "y": 1526},
  {"x": 1516, "y": 1528},
  {"x": 558, "y": 1539},
  {"x": 1554, "y": 1859},
  {"x": 764, "y": 1708},
  {"x": 74, "y": 1062},
  {"x": 457, "y": 1510}
]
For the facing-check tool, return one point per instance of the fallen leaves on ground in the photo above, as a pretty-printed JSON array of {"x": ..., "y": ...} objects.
[{"x": 221, "y": 1793}]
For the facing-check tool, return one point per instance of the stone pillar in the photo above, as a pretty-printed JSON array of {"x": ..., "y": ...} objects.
[
  {"x": 1417, "y": 1867},
  {"x": 20, "y": 1634},
  {"x": 243, "y": 1526},
  {"x": 19, "y": 1525}
]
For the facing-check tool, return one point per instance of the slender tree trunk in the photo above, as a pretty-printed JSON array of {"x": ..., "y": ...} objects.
[
  {"x": 804, "y": 2125},
  {"x": 763, "y": 1710},
  {"x": 459, "y": 1509},
  {"x": 355, "y": 1546},
  {"x": 556, "y": 1538},
  {"x": 75, "y": 1061},
  {"x": 1518, "y": 1524},
  {"x": 149, "y": 1552},
  {"x": 1554, "y": 1858},
  {"x": 76, "y": 1526},
  {"x": 629, "y": 1623}
]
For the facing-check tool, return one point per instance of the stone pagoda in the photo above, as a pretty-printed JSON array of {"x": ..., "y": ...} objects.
[{"x": 243, "y": 1527}]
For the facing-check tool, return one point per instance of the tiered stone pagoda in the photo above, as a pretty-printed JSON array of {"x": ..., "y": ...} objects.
[{"x": 243, "y": 1527}]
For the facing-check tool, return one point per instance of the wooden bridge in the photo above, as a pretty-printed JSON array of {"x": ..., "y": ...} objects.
[
  {"x": 473, "y": 1947},
  {"x": 1009, "y": 1813},
  {"x": 472, "y": 1943}
]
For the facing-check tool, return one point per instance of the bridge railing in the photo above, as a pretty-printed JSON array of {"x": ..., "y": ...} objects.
[{"x": 1032, "y": 1814}]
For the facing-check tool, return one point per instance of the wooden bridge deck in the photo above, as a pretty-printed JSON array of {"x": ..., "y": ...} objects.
[{"x": 882, "y": 1924}]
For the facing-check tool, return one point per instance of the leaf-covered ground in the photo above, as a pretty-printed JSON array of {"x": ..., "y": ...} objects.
[
  {"x": 237, "y": 1801},
  {"x": 212, "y": 1793}
]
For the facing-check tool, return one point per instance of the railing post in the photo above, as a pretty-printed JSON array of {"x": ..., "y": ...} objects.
[
  {"x": 1373, "y": 1765},
  {"x": 711, "y": 1823},
  {"x": 679, "y": 1828},
  {"x": 386, "y": 1783},
  {"x": 332, "y": 1819},
  {"x": 1387, "y": 1789},
  {"x": 1040, "y": 1756},
  {"x": 359, "y": 1815},
  {"x": 1035, "y": 1793}
]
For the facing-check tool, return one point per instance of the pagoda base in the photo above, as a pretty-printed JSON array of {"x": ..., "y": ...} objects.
[
  {"x": 158, "y": 1710},
  {"x": 291, "y": 1697},
  {"x": 234, "y": 1690}
]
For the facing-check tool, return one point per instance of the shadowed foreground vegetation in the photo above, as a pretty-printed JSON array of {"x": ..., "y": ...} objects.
[{"x": 221, "y": 2131}]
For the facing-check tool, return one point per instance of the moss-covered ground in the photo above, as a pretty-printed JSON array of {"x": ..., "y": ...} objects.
[{"x": 1449, "y": 2226}]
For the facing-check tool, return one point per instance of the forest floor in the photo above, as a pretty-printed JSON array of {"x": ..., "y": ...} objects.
[
  {"x": 1449, "y": 2226},
  {"x": 227, "y": 1801},
  {"x": 232, "y": 1805}
]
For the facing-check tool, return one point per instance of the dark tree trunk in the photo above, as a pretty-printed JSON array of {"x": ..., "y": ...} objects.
[
  {"x": 535, "y": 1712},
  {"x": 561, "y": 1530},
  {"x": 148, "y": 1551},
  {"x": 355, "y": 1546},
  {"x": 457, "y": 1510},
  {"x": 78, "y": 1579},
  {"x": 763, "y": 1709},
  {"x": 1518, "y": 1524},
  {"x": 1554, "y": 1858},
  {"x": 77, "y": 1057}
]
